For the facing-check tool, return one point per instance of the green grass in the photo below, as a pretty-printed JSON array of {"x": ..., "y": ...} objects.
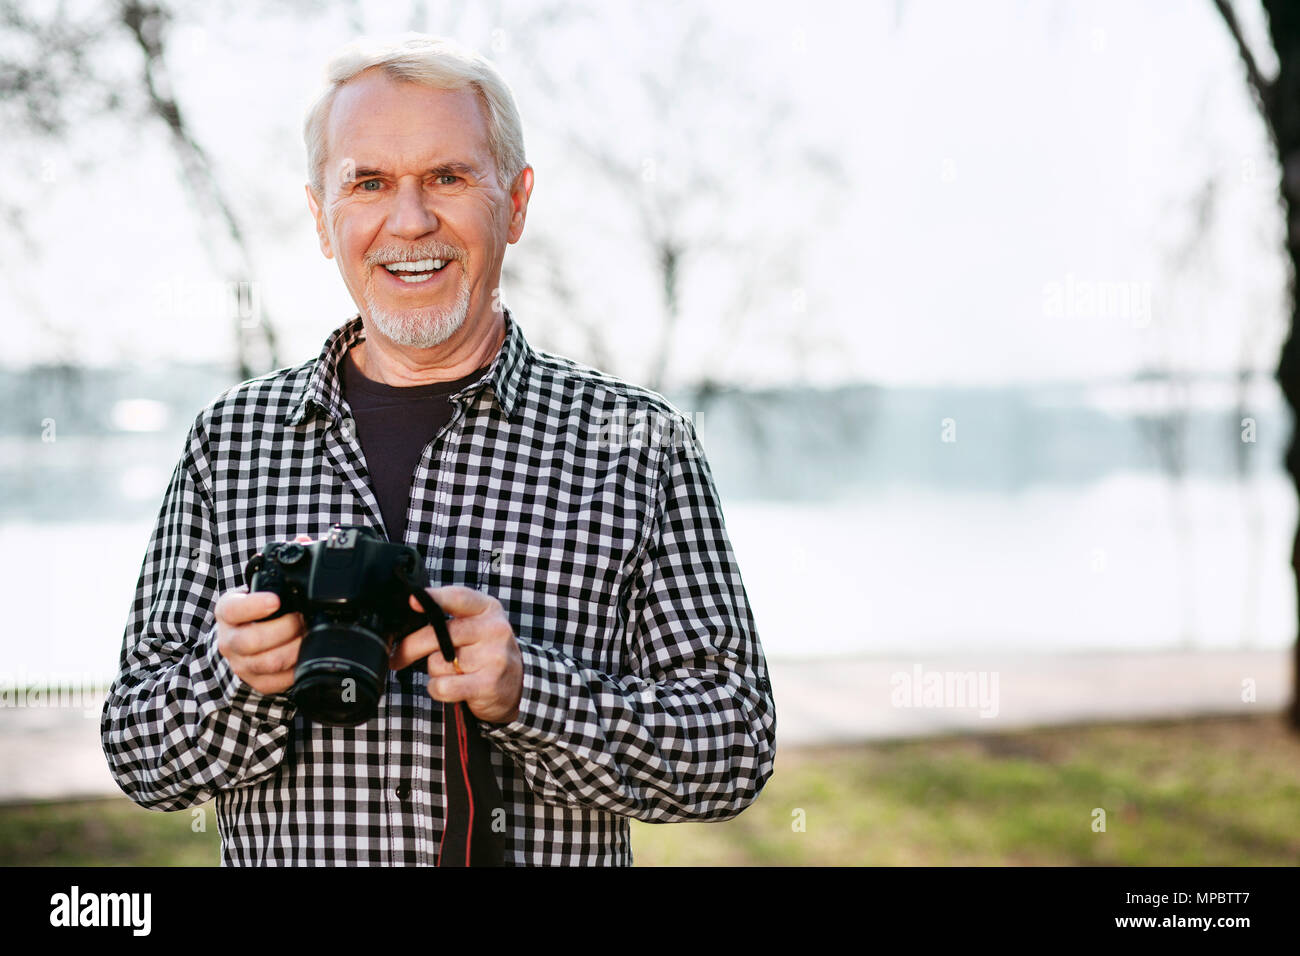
[
  {"x": 110, "y": 832},
  {"x": 1191, "y": 793},
  {"x": 1194, "y": 793}
]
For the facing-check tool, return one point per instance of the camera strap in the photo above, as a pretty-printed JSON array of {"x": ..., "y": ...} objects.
[{"x": 473, "y": 832}]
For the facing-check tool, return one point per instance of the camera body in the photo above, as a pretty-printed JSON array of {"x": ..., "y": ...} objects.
[{"x": 353, "y": 590}]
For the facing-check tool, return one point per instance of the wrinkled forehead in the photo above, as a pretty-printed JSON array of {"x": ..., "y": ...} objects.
[{"x": 399, "y": 126}]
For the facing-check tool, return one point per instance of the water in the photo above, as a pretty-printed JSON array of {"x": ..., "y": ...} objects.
[
  {"x": 1049, "y": 569},
  {"x": 1051, "y": 523}
]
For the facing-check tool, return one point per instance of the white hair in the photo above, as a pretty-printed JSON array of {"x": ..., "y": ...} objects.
[{"x": 434, "y": 62}]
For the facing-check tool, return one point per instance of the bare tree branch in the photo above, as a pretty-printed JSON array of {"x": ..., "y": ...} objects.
[
  {"x": 147, "y": 23},
  {"x": 1260, "y": 87}
]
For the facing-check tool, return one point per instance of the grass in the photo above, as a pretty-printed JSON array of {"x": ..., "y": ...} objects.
[
  {"x": 1220, "y": 791},
  {"x": 109, "y": 832}
]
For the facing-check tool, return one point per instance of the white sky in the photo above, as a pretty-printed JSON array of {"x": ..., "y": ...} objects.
[{"x": 992, "y": 150}]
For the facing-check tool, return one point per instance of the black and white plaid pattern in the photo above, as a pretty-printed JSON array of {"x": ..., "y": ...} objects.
[{"x": 579, "y": 501}]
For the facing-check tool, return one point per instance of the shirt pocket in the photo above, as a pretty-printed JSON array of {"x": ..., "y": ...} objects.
[{"x": 489, "y": 561}]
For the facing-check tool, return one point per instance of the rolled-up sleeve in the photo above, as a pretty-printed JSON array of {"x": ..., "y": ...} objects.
[
  {"x": 689, "y": 731},
  {"x": 178, "y": 724}
]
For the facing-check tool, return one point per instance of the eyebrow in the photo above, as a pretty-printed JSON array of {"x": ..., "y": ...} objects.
[{"x": 452, "y": 167}]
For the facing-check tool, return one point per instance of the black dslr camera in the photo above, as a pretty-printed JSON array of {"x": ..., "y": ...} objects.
[{"x": 353, "y": 590}]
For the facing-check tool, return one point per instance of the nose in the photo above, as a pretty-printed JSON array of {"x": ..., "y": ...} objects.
[{"x": 411, "y": 215}]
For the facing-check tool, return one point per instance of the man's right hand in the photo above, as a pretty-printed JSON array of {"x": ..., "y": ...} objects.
[{"x": 262, "y": 653}]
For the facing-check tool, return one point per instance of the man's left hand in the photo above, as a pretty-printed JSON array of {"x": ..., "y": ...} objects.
[{"x": 491, "y": 676}]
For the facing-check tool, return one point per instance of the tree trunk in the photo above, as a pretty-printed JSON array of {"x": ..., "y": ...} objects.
[{"x": 1281, "y": 106}]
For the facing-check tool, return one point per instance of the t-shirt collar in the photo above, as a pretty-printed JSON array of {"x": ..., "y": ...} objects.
[{"x": 323, "y": 389}]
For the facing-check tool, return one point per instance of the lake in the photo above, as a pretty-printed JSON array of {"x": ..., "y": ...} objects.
[{"x": 1072, "y": 517}]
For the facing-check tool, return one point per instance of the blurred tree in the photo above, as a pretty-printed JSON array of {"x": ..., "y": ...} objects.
[
  {"x": 1278, "y": 100},
  {"x": 682, "y": 146},
  {"x": 682, "y": 160},
  {"x": 52, "y": 78},
  {"x": 693, "y": 152}
]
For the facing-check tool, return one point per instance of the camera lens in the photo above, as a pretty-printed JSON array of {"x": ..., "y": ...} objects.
[{"x": 339, "y": 676}]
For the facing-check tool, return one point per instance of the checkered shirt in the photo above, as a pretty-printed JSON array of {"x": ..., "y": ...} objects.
[{"x": 582, "y": 503}]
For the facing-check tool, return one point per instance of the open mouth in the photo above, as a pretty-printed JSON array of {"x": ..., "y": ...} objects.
[{"x": 416, "y": 271}]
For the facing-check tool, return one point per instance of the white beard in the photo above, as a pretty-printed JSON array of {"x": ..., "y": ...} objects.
[{"x": 420, "y": 328}]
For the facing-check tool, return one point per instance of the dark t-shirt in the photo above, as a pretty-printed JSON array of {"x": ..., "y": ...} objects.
[{"x": 393, "y": 424}]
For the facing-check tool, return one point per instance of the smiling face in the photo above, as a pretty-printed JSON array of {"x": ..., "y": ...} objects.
[{"x": 413, "y": 209}]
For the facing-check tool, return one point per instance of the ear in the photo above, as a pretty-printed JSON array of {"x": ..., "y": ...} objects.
[
  {"x": 321, "y": 232},
  {"x": 519, "y": 193}
]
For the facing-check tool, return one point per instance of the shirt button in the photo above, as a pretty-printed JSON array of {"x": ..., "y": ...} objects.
[{"x": 403, "y": 790}]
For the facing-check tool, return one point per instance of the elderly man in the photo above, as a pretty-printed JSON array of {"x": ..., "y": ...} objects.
[{"x": 605, "y": 648}]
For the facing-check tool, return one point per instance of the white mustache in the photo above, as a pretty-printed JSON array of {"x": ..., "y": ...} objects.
[{"x": 383, "y": 256}]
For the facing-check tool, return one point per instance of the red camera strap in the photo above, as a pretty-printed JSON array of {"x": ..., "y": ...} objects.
[{"x": 473, "y": 833}]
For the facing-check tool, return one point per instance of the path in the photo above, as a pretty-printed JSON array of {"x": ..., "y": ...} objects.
[{"x": 54, "y": 752}]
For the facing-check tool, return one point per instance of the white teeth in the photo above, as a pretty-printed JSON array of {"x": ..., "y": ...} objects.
[{"x": 420, "y": 265}]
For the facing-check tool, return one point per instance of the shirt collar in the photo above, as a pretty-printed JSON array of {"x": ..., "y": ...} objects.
[{"x": 323, "y": 390}]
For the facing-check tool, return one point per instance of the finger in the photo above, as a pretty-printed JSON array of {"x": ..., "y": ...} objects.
[
  {"x": 470, "y": 627},
  {"x": 304, "y": 539},
  {"x": 247, "y": 640},
  {"x": 464, "y": 632},
  {"x": 453, "y": 687},
  {"x": 272, "y": 683},
  {"x": 462, "y": 601},
  {"x": 415, "y": 645},
  {"x": 272, "y": 662},
  {"x": 237, "y": 607},
  {"x": 489, "y": 658},
  {"x": 439, "y": 666}
]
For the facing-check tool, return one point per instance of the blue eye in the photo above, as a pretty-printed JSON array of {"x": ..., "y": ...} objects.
[{"x": 368, "y": 183}]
